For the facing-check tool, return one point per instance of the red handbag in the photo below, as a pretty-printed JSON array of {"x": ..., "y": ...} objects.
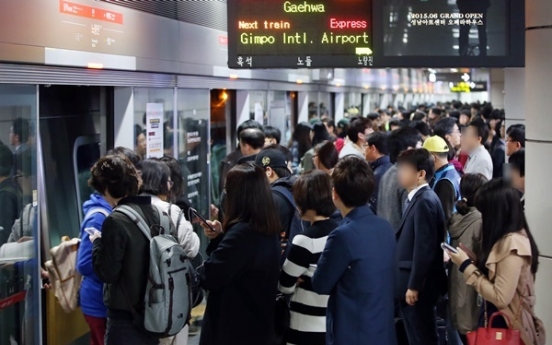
[{"x": 495, "y": 336}]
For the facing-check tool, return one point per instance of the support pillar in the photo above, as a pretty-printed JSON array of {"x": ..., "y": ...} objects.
[{"x": 538, "y": 102}]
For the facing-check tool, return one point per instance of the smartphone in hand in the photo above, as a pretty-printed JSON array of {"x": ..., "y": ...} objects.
[
  {"x": 447, "y": 247},
  {"x": 202, "y": 220},
  {"x": 92, "y": 231}
]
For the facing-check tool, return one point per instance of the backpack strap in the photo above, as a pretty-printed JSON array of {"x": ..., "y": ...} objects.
[
  {"x": 283, "y": 192},
  {"x": 136, "y": 219},
  {"x": 164, "y": 220}
]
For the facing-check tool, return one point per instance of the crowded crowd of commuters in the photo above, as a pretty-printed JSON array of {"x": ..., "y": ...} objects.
[{"x": 347, "y": 222}]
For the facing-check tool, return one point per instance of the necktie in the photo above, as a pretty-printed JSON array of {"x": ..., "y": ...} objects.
[{"x": 405, "y": 206}]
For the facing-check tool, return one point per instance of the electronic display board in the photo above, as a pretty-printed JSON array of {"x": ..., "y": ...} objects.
[
  {"x": 300, "y": 33},
  {"x": 375, "y": 33}
]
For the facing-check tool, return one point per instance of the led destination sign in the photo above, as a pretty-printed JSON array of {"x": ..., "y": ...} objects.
[{"x": 300, "y": 33}]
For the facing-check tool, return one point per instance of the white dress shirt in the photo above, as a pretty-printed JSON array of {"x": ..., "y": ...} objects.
[{"x": 415, "y": 190}]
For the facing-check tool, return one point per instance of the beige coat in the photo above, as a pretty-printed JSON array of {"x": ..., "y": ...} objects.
[
  {"x": 465, "y": 229},
  {"x": 510, "y": 279}
]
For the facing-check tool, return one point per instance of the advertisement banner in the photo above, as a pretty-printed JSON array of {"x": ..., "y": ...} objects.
[{"x": 154, "y": 130}]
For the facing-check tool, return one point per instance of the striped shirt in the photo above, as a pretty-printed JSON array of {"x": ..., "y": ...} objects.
[{"x": 308, "y": 309}]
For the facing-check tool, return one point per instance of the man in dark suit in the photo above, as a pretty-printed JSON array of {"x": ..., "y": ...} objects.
[
  {"x": 357, "y": 265},
  {"x": 420, "y": 274}
]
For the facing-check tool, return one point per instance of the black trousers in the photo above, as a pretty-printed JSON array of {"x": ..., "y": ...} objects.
[
  {"x": 420, "y": 322},
  {"x": 124, "y": 332}
]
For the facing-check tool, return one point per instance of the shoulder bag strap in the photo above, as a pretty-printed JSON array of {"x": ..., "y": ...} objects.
[{"x": 136, "y": 218}]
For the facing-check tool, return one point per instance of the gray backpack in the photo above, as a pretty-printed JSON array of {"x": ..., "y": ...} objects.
[{"x": 168, "y": 293}]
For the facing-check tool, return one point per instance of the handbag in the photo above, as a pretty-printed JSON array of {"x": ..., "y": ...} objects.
[
  {"x": 281, "y": 320},
  {"x": 494, "y": 336}
]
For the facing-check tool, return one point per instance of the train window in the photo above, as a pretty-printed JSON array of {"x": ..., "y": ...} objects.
[
  {"x": 19, "y": 281},
  {"x": 86, "y": 151}
]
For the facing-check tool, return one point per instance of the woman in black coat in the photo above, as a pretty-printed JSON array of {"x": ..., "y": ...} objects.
[{"x": 242, "y": 272}]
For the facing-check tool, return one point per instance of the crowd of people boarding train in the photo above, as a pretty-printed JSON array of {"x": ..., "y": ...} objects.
[{"x": 347, "y": 222}]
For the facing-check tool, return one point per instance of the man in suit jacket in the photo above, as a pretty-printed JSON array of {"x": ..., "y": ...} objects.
[
  {"x": 358, "y": 263},
  {"x": 420, "y": 273}
]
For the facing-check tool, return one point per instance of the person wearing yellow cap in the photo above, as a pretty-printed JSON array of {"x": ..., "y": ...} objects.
[{"x": 446, "y": 183}]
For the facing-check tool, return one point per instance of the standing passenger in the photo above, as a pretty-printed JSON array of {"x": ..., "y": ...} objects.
[
  {"x": 421, "y": 277},
  {"x": 232, "y": 158},
  {"x": 120, "y": 255},
  {"x": 465, "y": 229},
  {"x": 241, "y": 274},
  {"x": 10, "y": 195},
  {"x": 312, "y": 193},
  {"x": 504, "y": 272},
  {"x": 96, "y": 210},
  {"x": 447, "y": 180},
  {"x": 473, "y": 142},
  {"x": 357, "y": 266},
  {"x": 391, "y": 195},
  {"x": 377, "y": 154}
]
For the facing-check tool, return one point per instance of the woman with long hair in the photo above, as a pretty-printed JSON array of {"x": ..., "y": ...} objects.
[
  {"x": 320, "y": 134},
  {"x": 504, "y": 271},
  {"x": 301, "y": 142},
  {"x": 242, "y": 271},
  {"x": 465, "y": 229}
]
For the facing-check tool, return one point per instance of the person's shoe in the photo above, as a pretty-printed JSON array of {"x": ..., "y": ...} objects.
[{"x": 193, "y": 330}]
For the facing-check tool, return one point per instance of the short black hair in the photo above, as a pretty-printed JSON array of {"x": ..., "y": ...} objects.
[
  {"x": 379, "y": 140},
  {"x": 253, "y": 137},
  {"x": 273, "y": 132},
  {"x": 327, "y": 154},
  {"x": 353, "y": 181},
  {"x": 394, "y": 122},
  {"x": 176, "y": 176},
  {"x": 373, "y": 116},
  {"x": 400, "y": 140},
  {"x": 359, "y": 125},
  {"x": 517, "y": 161},
  {"x": 517, "y": 134},
  {"x": 20, "y": 127},
  {"x": 419, "y": 116},
  {"x": 155, "y": 177},
  {"x": 444, "y": 126},
  {"x": 6, "y": 160},
  {"x": 248, "y": 124},
  {"x": 437, "y": 111},
  {"x": 420, "y": 159},
  {"x": 454, "y": 114},
  {"x": 313, "y": 191},
  {"x": 329, "y": 122},
  {"x": 497, "y": 114},
  {"x": 421, "y": 127},
  {"x": 482, "y": 129},
  {"x": 128, "y": 153},
  {"x": 487, "y": 110}
]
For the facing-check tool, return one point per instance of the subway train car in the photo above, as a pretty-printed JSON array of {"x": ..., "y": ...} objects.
[{"x": 80, "y": 77}]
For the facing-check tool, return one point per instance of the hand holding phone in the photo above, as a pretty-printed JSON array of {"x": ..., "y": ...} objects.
[
  {"x": 447, "y": 247},
  {"x": 203, "y": 222},
  {"x": 94, "y": 234}
]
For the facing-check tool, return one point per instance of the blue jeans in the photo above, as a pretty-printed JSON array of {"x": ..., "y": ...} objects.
[{"x": 124, "y": 332}]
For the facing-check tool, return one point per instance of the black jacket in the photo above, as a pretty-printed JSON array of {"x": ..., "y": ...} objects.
[
  {"x": 286, "y": 211},
  {"x": 419, "y": 255},
  {"x": 11, "y": 205},
  {"x": 241, "y": 276},
  {"x": 226, "y": 165},
  {"x": 121, "y": 258}
]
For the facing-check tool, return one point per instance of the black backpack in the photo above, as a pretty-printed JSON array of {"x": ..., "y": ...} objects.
[{"x": 295, "y": 226}]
